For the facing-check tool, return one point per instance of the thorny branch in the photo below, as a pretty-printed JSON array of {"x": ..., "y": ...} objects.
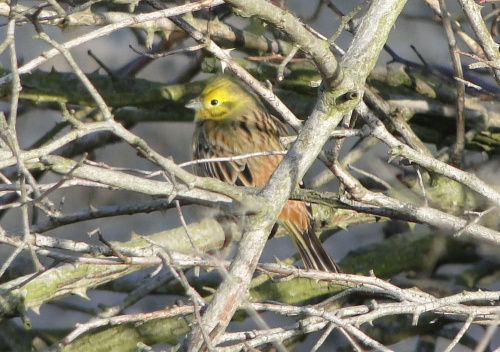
[{"x": 340, "y": 94}]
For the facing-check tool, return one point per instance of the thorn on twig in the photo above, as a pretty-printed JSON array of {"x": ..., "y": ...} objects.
[
  {"x": 36, "y": 309},
  {"x": 81, "y": 292},
  {"x": 416, "y": 317},
  {"x": 224, "y": 63}
]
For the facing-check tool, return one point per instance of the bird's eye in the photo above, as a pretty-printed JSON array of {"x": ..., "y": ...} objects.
[{"x": 214, "y": 102}]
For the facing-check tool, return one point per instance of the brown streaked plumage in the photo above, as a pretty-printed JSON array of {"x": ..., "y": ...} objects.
[{"x": 231, "y": 121}]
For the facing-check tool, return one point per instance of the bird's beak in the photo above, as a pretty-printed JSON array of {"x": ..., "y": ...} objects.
[{"x": 194, "y": 104}]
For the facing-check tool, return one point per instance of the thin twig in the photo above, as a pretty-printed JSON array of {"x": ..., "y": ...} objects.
[
  {"x": 184, "y": 225},
  {"x": 11, "y": 135},
  {"x": 197, "y": 300},
  {"x": 422, "y": 187},
  {"x": 458, "y": 150},
  {"x": 62, "y": 180},
  {"x": 110, "y": 72},
  {"x": 57, "y": 8},
  {"x": 106, "y": 113},
  {"x": 232, "y": 158},
  {"x": 353, "y": 342},
  {"x": 476, "y": 220},
  {"x": 168, "y": 53},
  {"x": 11, "y": 258},
  {"x": 371, "y": 176},
  {"x": 483, "y": 62},
  {"x": 346, "y": 21},
  {"x": 102, "y": 212},
  {"x": 323, "y": 337},
  {"x": 154, "y": 282},
  {"x": 487, "y": 336},
  {"x": 281, "y": 68},
  {"x": 141, "y": 317},
  {"x": 459, "y": 335},
  {"x": 113, "y": 248},
  {"x": 488, "y": 44}
]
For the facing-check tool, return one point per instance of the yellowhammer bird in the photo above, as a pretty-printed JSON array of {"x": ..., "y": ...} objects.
[{"x": 231, "y": 121}]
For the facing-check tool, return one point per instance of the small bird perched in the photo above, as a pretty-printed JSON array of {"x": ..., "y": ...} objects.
[{"x": 232, "y": 121}]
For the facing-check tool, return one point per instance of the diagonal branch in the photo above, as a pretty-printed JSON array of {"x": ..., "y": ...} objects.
[
  {"x": 473, "y": 13},
  {"x": 331, "y": 106}
]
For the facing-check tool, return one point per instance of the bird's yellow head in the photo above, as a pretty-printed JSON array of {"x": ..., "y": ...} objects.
[{"x": 221, "y": 99}]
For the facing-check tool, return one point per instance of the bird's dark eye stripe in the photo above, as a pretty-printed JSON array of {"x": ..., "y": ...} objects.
[{"x": 214, "y": 102}]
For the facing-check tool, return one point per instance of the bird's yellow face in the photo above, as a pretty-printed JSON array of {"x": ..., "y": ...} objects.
[{"x": 220, "y": 100}]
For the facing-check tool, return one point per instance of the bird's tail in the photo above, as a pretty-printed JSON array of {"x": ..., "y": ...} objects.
[{"x": 311, "y": 249}]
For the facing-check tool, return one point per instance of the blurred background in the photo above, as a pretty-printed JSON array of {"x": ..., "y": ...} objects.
[{"x": 416, "y": 26}]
